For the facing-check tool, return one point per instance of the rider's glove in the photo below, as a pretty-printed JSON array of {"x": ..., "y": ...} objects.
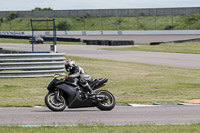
[{"x": 68, "y": 77}]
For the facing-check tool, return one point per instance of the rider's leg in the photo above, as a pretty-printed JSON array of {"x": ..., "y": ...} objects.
[{"x": 87, "y": 86}]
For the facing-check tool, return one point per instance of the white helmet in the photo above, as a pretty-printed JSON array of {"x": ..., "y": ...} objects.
[{"x": 69, "y": 64}]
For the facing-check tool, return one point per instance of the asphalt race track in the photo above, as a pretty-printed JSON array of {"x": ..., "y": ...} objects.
[
  {"x": 174, "y": 114},
  {"x": 171, "y": 114}
]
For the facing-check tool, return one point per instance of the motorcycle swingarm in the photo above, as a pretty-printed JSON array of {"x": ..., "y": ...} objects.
[{"x": 101, "y": 98}]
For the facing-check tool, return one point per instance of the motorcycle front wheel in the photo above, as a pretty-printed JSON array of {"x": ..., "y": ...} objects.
[
  {"x": 53, "y": 103},
  {"x": 108, "y": 104}
]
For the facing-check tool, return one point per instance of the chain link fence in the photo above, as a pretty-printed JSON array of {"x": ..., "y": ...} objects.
[{"x": 180, "y": 22}]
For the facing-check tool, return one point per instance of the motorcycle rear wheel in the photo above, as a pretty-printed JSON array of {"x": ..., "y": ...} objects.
[
  {"x": 53, "y": 104},
  {"x": 107, "y": 105}
]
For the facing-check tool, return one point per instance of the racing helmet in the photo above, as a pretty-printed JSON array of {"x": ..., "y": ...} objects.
[{"x": 69, "y": 64}]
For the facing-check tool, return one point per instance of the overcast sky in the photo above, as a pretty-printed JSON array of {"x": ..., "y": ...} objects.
[{"x": 18, "y": 5}]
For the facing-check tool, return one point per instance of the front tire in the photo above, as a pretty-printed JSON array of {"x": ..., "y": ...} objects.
[
  {"x": 107, "y": 105},
  {"x": 53, "y": 104}
]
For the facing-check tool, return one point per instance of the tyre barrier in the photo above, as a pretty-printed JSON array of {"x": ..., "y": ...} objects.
[
  {"x": 31, "y": 65},
  {"x": 177, "y": 41},
  {"x": 3, "y": 51},
  {"x": 108, "y": 42},
  {"x": 45, "y": 38},
  {"x": 155, "y": 43}
]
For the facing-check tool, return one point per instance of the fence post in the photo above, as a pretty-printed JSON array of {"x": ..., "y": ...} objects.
[
  {"x": 48, "y": 25},
  {"x": 101, "y": 23},
  {"x": 155, "y": 22},
  {"x": 10, "y": 25},
  {"x": 120, "y": 21},
  {"x": 28, "y": 26},
  {"x": 172, "y": 20},
  {"x": 189, "y": 22},
  {"x": 138, "y": 23},
  {"x": 84, "y": 23}
]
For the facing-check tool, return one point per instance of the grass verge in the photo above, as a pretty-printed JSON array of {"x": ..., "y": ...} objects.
[
  {"x": 189, "y": 48},
  {"x": 130, "y": 83},
  {"x": 26, "y": 41},
  {"x": 194, "y": 128}
]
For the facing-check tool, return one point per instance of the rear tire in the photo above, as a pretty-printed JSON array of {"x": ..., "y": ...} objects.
[
  {"x": 108, "y": 104},
  {"x": 53, "y": 104}
]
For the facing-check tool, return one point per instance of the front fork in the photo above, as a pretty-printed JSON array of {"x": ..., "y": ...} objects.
[{"x": 57, "y": 95}]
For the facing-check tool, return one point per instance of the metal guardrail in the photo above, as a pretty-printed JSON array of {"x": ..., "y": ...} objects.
[{"x": 31, "y": 65}]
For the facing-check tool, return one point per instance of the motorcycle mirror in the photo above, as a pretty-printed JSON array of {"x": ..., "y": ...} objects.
[{"x": 56, "y": 75}]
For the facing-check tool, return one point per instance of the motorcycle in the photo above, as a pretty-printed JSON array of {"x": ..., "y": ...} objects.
[{"x": 63, "y": 93}]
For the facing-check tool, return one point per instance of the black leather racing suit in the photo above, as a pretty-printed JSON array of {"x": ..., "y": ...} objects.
[{"x": 84, "y": 78}]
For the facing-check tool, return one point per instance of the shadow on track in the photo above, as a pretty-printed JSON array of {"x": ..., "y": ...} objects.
[{"x": 88, "y": 110}]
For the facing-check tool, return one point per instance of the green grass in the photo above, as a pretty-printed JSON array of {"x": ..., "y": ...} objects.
[
  {"x": 26, "y": 41},
  {"x": 191, "y": 48},
  {"x": 8, "y": 40},
  {"x": 129, "y": 82},
  {"x": 194, "y": 128},
  {"x": 23, "y": 91},
  {"x": 180, "y": 22}
]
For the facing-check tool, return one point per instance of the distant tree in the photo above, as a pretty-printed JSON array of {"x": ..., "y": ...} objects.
[
  {"x": 12, "y": 15},
  {"x": 42, "y": 9},
  {"x": 47, "y": 9},
  {"x": 86, "y": 15},
  {"x": 37, "y": 9},
  {"x": 1, "y": 20},
  {"x": 119, "y": 22},
  {"x": 64, "y": 25},
  {"x": 169, "y": 27}
]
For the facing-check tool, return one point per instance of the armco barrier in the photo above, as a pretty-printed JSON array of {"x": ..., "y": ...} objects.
[{"x": 31, "y": 65}]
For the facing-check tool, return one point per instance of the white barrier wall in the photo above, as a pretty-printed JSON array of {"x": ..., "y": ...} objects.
[{"x": 80, "y": 33}]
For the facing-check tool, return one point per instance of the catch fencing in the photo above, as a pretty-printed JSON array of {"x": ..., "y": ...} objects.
[
  {"x": 108, "y": 19},
  {"x": 181, "y": 22},
  {"x": 31, "y": 65},
  {"x": 107, "y": 12}
]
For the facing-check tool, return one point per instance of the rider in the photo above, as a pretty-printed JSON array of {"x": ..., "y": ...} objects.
[{"x": 76, "y": 71}]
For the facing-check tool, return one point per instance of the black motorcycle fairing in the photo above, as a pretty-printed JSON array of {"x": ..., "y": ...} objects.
[
  {"x": 68, "y": 90},
  {"x": 77, "y": 102},
  {"x": 73, "y": 97},
  {"x": 73, "y": 82},
  {"x": 51, "y": 85}
]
